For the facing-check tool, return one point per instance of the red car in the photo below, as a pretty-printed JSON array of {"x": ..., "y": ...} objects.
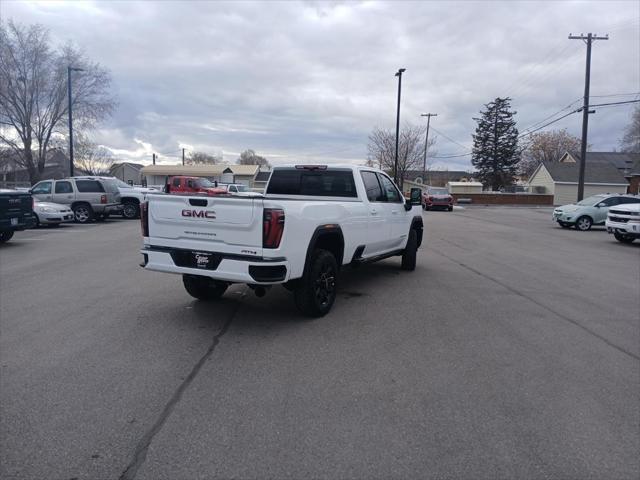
[
  {"x": 181, "y": 185},
  {"x": 437, "y": 198}
]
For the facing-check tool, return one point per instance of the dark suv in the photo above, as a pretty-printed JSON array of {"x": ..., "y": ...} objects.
[{"x": 89, "y": 197}]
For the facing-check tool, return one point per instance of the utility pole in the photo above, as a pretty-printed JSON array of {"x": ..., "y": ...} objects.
[
  {"x": 154, "y": 158},
  {"x": 395, "y": 165},
  {"x": 183, "y": 157},
  {"x": 69, "y": 70},
  {"x": 588, "y": 39},
  {"x": 426, "y": 145}
]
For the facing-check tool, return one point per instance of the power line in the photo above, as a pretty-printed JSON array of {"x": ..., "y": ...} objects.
[
  {"x": 449, "y": 138},
  {"x": 552, "y": 115},
  {"x": 549, "y": 123},
  {"x": 613, "y": 103}
]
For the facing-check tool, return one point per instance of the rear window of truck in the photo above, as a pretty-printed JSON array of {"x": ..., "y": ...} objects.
[{"x": 324, "y": 183}]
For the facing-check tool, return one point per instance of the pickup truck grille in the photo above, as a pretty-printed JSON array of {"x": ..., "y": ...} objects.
[{"x": 618, "y": 219}]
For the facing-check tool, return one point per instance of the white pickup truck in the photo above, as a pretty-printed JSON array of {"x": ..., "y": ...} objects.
[{"x": 312, "y": 220}]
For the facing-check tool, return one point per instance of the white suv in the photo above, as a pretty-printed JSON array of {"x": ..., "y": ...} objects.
[{"x": 624, "y": 222}]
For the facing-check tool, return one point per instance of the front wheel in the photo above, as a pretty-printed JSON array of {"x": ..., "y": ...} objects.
[
  {"x": 5, "y": 236},
  {"x": 204, "y": 288},
  {"x": 621, "y": 237},
  {"x": 450, "y": 208},
  {"x": 410, "y": 252},
  {"x": 584, "y": 223},
  {"x": 316, "y": 292},
  {"x": 130, "y": 210}
]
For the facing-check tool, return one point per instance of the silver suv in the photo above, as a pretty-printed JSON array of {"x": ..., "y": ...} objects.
[{"x": 89, "y": 197}]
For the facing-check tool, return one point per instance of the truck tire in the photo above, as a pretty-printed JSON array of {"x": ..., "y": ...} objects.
[
  {"x": 5, "y": 236},
  {"x": 410, "y": 252},
  {"x": 130, "y": 210},
  {"x": 82, "y": 212},
  {"x": 204, "y": 288},
  {"x": 316, "y": 292},
  {"x": 621, "y": 237}
]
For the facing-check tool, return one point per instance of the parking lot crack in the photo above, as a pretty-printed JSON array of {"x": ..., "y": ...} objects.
[
  {"x": 140, "y": 453},
  {"x": 542, "y": 305}
]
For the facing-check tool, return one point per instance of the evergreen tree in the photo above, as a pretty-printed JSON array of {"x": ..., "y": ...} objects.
[{"x": 495, "y": 144}]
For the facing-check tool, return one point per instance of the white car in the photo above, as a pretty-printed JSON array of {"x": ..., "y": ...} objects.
[
  {"x": 623, "y": 221},
  {"x": 312, "y": 220},
  {"x": 49, "y": 213}
]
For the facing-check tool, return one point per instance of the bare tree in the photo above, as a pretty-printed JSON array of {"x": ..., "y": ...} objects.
[
  {"x": 94, "y": 159},
  {"x": 202, "y": 158},
  {"x": 631, "y": 140},
  {"x": 382, "y": 148},
  {"x": 33, "y": 93},
  {"x": 546, "y": 147},
  {"x": 250, "y": 157}
]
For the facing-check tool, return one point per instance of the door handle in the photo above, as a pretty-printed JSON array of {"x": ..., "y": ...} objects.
[
  {"x": 69, "y": 196},
  {"x": 374, "y": 211},
  {"x": 394, "y": 212}
]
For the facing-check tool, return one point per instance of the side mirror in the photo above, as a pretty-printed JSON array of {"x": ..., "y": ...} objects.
[
  {"x": 416, "y": 196},
  {"x": 408, "y": 205}
]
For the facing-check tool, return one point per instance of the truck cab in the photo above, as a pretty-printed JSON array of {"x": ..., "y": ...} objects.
[{"x": 181, "y": 184}]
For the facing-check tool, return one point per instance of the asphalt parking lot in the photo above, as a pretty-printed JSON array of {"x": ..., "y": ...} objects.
[{"x": 513, "y": 351}]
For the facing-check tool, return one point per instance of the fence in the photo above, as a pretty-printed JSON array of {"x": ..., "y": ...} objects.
[
  {"x": 499, "y": 198},
  {"x": 13, "y": 185}
]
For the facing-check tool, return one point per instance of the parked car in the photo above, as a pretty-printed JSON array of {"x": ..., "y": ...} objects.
[
  {"x": 89, "y": 197},
  {"x": 16, "y": 213},
  {"x": 312, "y": 220},
  {"x": 437, "y": 197},
  {"x": 623, "y": 221},
  {"x": 591, "y": 210},
  {"x": 181, "y": 184},
  {"x": 48, "y": 213},
  {"x": 131, "y": 197}
]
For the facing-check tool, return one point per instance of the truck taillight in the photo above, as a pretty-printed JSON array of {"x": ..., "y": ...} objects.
[
  {"x": 272, "y": 227},
  {"x": 144, "y": 218},
  {"x": 103, "y": 199}
]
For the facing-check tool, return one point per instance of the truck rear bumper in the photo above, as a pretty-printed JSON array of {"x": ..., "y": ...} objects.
[{"x": 219, "y": 266}]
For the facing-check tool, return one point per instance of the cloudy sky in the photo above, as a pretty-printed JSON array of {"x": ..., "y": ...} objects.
[{"x": 308, "y": 81}]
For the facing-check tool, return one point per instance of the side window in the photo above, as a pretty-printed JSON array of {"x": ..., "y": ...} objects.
[
  {"x": 176, "y": 182},
  {"x": 390, "y": 189},
  {"x": 611, "y": 201},
  {"x": 63, "y": 187},
  {"x": 624, "y": 200},
  {"x": 371, "y": 185},
  {"x": 42, "y": 188},
  {"x": 89, "y": 186},
  {"x": 190, "y": 183},
  {"x": 232, "y": 188}
]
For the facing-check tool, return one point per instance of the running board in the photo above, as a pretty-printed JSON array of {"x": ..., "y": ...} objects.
[{"x": 360, "y": 260}]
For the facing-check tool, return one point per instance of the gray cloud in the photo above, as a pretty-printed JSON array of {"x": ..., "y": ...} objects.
[{"x": 308, "y": 81}]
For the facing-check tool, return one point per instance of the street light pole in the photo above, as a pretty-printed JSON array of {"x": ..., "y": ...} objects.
[
  {"x": 395, "y": 165},
  {"x": 426, "y": 145},
  {"x": 69, "y": 70}
]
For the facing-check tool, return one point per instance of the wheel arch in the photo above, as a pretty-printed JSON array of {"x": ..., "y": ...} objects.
[
  {"x": 129, "y": 200},
  {"x": 327, "y": 237},
  {"x": 417, "y": 225}
]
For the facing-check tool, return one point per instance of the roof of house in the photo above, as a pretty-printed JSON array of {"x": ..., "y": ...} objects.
[
  {"x": 200, "y": 170},
  {"x": 621, "y": 160},
  {"x": 595, "y": 172},
  {"x": 137, "y": 166}
]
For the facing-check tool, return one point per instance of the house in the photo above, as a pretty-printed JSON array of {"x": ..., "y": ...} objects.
[
  {"x": 224, "y": 173},
  {"x": 436, "y": 178},
  {"x": 633, "y": 177},
  {"x": 623, "y": 161},
  {"x": 560, "y": 179},
  {"x": 13, "y": 174},
  {"x": 127, "y": 172}
]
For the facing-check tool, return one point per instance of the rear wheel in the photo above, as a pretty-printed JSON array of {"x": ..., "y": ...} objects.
[
  {"x": 83, "y": 213},
  {"x": 204, "y": 288},
  {"x": 130, "y": 210},
  {"x": 5, "y": 236},
  {"x": 584, "y": 223},
  {"x": 410, "y": 252},
  {"x": 621, "y": 237},
  {"x": 37, "y": 221},
  {"x": 450, "y": 208},
  {"x": 316, "y": 292}
]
